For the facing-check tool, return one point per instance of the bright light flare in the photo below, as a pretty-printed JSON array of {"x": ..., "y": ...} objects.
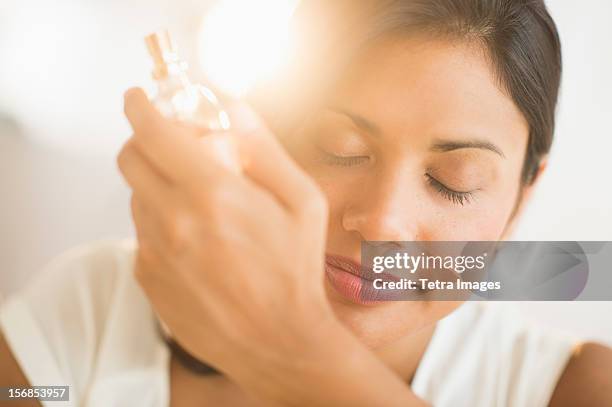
[{"x": 243, "y": 41}]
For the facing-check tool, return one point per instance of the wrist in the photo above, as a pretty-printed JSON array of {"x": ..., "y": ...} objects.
[
  {"x": 346, "y": 372},
  {"x": 327, "y": 367},
  {"x": 287, "y": 349}
]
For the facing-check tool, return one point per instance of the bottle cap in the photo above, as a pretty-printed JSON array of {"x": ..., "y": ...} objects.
[{"x": 162, "y": 52}]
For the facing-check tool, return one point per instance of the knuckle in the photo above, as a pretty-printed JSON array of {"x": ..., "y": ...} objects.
[
  {"x": 178, "y": 230},
  {"x": 218, "y": 198},
  {"x": 139, "y": 217},
  {"x": 213, "y": 199},
  {"x": 315, "y": 205},
  {"x": 124, "y": 157}
]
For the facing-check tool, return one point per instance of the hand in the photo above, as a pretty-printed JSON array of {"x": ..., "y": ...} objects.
[{"x": 232, "y": 263}]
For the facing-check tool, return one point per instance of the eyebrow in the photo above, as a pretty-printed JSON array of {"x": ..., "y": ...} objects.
[
  {"x": 358, "y": 120},
  {"x": 442, "y": 146},
  {"x": 448, "y": 145}
]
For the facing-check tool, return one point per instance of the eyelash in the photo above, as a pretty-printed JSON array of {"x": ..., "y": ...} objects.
[
  {"x": 456, "y": 197},
  {"x": 350, "y": 161}
]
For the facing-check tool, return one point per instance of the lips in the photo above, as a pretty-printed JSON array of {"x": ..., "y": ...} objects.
[{"x": 355, "y": 282}]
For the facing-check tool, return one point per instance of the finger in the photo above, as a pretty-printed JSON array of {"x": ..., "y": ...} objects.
[
  {"x": 152, "y": 277},
  {"x": 142, "y": 177},
  {"x": 166, "y": 226},
  {"x": 139, "y": 216},
  {"x": 149, "y": 233},
  {"x": 139, "y": 111},
  {"x": 267, "y": 163},
  {"x": 152, "y": 245},
  {"x": 177, "y": 150}
]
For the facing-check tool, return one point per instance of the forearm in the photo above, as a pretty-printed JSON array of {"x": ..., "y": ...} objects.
[{"x": 334, "y": 370}]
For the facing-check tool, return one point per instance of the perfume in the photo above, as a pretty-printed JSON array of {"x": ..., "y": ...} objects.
[{"x": 175, "y": 95}]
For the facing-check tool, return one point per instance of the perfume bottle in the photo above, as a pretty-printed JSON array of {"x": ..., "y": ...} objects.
[{"x": 176, "y": 96}]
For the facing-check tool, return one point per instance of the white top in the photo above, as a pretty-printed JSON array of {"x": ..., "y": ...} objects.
[{"x": 85, "y": 322}]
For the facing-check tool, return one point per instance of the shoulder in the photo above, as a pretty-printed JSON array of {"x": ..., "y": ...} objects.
[
  {"x": 96, "y": 267},
  {"x": 77, "y": 288},
  {"x": 586, "y": 381},
  {"x": 492, "y": 349},
  {"x": 77, "y": 314},
  {"x": 97, "y": 262}
]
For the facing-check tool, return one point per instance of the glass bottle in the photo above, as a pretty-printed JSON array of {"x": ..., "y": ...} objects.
[{"x": 175, "y": 96}]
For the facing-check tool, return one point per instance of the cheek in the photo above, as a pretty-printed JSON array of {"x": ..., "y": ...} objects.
[
  {"x": 340, "y": 190},
  {"x": 338, "y": 195},
  {"x": 486, "y": 223},
  {"x": 486, "y": 220}
]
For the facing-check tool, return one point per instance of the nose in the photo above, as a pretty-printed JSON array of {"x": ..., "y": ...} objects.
[{"x": 387, "y": 210}]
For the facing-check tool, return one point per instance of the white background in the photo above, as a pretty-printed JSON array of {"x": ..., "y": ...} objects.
[{"x": 65, "y": 64}]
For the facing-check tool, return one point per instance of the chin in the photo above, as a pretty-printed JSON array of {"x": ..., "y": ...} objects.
[{"x": 379, "y": 324}]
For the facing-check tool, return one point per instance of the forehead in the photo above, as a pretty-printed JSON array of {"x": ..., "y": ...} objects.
[{"x": 422, "y": 86}]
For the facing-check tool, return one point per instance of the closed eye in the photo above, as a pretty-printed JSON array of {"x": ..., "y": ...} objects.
[
  {"x": 344, "y": 161},
  {"x": 456, "y": 197}
]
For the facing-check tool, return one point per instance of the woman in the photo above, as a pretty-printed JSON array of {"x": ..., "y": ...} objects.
[{"x": 402, "y": 120}]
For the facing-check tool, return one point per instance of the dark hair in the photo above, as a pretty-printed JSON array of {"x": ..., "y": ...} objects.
[{"x": 520, "y": 38}]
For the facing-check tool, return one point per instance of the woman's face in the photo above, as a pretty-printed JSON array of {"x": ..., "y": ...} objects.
[{"x": 417, "y": 143}]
